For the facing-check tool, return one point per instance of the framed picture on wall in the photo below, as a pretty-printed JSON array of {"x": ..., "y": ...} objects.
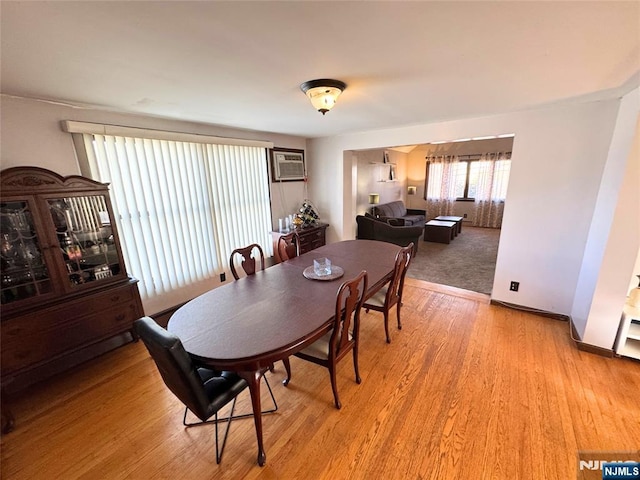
[{"x": 287, "y": 165}]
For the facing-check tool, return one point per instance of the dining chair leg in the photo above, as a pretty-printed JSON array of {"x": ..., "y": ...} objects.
[
  {"x": 287, "y": 367},
  {"x": 386, "y": 325},
  {"x": 398, "y": 314},
  {"x": 355, "y": 365},
  {"x": 334, "y": 387}
]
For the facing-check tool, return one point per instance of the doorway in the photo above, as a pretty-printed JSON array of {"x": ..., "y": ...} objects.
[{"x": 469, "y": 261}]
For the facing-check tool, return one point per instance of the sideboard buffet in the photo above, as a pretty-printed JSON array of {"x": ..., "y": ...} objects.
[{"x": 311, "y": 237}]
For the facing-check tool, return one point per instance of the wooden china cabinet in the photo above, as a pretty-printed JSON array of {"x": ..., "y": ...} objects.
[{"x": 64, "y": 286}]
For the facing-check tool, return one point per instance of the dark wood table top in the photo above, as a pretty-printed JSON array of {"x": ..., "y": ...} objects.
[{"x": 248, "y": 324}]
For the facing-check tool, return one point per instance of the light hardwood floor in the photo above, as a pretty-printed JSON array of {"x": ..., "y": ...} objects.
[{"x": 466, "y": 390}]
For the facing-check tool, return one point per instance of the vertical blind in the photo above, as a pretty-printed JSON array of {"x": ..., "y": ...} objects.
[{"x": 182, "y": 206}]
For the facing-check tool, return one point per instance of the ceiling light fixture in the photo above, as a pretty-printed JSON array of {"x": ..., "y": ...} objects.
[{"x": 323, "y": 93}]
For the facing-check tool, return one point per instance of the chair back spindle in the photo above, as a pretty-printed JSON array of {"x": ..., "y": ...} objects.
[{"x": 349, "y": 301}]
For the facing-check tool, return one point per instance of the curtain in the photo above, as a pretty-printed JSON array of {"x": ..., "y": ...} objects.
[
  {"x": 491, "y": 175},
  {"x": 181, "y": 207},
  {"x": 441, "y": 179}
]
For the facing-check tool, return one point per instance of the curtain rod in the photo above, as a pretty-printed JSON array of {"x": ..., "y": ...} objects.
[{"x": 471, "y": 156}]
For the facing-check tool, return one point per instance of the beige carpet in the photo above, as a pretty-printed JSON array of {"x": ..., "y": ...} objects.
[{"x": 468, "y": 262}]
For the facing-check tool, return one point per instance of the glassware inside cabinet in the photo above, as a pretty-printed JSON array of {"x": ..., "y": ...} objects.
[
  {"x": 85, "y": 237},
  {"x": 24, "y": 272}
]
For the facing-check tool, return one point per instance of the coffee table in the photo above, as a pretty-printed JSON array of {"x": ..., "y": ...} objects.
[
  {"x": 439, "y": 231},
  {"x": 451, "y": 218}
]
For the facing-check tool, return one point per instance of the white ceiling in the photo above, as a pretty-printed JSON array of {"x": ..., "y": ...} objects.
[{"x": 240, "y": 63}]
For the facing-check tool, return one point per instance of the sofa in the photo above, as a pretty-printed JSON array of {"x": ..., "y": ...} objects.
[
  {"x": 398, "y": 210},
  {"x": 371, "y": 228}
]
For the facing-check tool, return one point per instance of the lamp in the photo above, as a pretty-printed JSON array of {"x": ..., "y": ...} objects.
[
  {"x": 411, "y": 190},
  {"x": 323, "y": 93},
  {"x": 374, "y": 199}
]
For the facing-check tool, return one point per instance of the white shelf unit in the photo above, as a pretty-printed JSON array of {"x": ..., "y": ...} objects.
[
  {"x": 383, "y": 171},
  {"x": 628, "y": 341}
]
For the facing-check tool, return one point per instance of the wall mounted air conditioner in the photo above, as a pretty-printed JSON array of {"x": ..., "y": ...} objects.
[{"x": 287, "y": 165}]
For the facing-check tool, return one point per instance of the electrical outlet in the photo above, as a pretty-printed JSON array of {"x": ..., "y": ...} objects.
[
  {"x": 223, "y": 277},
  {"x": 514, "y": 286},
  {"x": 465, "y": 215}
]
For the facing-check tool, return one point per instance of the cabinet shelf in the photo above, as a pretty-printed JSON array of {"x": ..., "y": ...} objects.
[
  {"x": 628, "y": 340},
  {"x": 634, "y": 330},
  {"x": 631, "y": 348}
]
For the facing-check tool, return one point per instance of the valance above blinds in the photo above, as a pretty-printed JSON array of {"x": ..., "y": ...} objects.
[{"x": 71, "y": 126}]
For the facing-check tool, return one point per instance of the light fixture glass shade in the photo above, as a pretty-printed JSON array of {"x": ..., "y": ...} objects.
[
  {"x": 323, "y": 93},
  {"x": 374, "y": 198},
  {"x": 323, "y": 98}
]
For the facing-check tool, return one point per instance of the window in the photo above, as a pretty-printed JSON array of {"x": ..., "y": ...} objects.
[
  {"x": 461, "y": 179},
  {"x": 182, "y": 206},
  {"x": 467, "y": 178}
]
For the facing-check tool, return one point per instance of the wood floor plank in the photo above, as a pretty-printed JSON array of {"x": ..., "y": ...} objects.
[{"x": 465, "y": 390}]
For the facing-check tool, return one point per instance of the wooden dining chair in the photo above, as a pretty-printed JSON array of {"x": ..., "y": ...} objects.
[
  {"x": 343, "y": 338},
  {"x": 249, "y": 259},
  {"x": 391, "y": 294},
  {"x": 288, "y": 246},
  {"x": 249, "y": 263}
]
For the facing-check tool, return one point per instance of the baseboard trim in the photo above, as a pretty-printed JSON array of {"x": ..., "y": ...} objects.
[
  {"x": 580, "y": 345},
  {"x": 542, "y": 313},
  {"x": 587, "y": 347}
]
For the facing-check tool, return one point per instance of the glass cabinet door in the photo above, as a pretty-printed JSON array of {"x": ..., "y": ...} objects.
[
  {"x": 24, "y": 272},
  {"x": 85, "y": 238}
]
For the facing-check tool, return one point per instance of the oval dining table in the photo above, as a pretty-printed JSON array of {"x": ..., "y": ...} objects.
[{"x": 246, "y": 325}]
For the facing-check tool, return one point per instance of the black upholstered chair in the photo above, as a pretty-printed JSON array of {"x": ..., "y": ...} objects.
[
  {"x": 203, "y": 391},
  {"x": 343, "y": 338},
  {"x": 250, "y": 255},
  {"x": 371, "y": 228},
  {"x": 391, "y": 294}
]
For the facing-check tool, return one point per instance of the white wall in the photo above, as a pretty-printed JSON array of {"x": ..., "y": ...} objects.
[
  {"x": 559, "y": 154},
  {"x": 32, "y": 135},
  {"x": 373, "y": 177},
  {"x": 614, "y": 237},
  {"x": 634, "y": 282}
]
